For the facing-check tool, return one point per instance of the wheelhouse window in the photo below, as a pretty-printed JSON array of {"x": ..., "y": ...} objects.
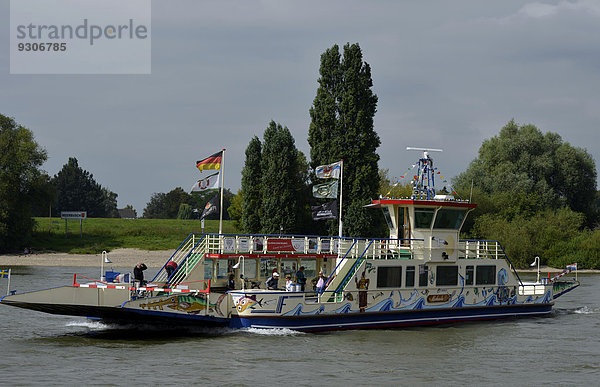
[
  {"x": 388, "y": 218},
  {"x": 410, "y": 276},
  {"x": 469, "y": 275},
  {"x": 485, "y": 275},
  {"x": 424, "y": 217},
  {"x": 389, "y": 277},
  {"x": 423, "y": 274},
  {"x": 447, "y": 275},
  {"x": 449, "y": 218}
]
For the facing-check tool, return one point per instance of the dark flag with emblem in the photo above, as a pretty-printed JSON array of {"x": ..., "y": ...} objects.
[
  {"x": 211, "y": 207},
  {"x": 325, "y": 211}
]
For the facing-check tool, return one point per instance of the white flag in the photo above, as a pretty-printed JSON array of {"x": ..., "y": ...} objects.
[
  {"x": 331, "y": 171},
  {"x": 210, "y": 182}
]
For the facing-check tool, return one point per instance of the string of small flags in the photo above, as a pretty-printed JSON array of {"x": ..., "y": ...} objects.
[{"x": 415, "y": 177}]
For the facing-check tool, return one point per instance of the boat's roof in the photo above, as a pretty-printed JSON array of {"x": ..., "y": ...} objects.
[{"x": 411, "y": 202}]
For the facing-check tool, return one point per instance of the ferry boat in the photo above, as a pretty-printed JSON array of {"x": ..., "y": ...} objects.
[{"x": 423, "y": 274}]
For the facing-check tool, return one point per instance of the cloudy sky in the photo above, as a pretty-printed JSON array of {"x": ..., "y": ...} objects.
[{"x": 448, "y": 75}]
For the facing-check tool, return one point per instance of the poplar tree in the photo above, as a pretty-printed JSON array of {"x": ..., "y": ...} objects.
[
  {"x": 281, "y": 185},
  {"x": 342, "y": 128},
  {"x": 251, "y": 188}
]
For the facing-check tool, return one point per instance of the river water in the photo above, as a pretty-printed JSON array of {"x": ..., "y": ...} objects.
[{"x": 39, "y": 348}]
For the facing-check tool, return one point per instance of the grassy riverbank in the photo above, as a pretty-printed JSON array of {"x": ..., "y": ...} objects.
[{"x": 107, "y": 234}]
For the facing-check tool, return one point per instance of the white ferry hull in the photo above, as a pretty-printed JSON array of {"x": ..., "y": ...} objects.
[{"x": 382, "y": 320}]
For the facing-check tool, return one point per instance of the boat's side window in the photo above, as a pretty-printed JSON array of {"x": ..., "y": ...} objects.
[
  {"x": 224, "y": 267},
  {"x": 423, "y": 217},
  {"x": 389, "y": 276},
  {"x": 410, "y": 276},
  {"x": 469, "y": 274},
  {"x": 447, "y": 275},
  {"x": 208, "y": 268},
  {"x": 288, "y": 266},
  {"x": 267, "y": 265},
  {"x": 249, "y": 269},
  {"x": 485, "y": 275},
  {"x": 310, "y": 268},
  {"x": 423, "y": 275}
]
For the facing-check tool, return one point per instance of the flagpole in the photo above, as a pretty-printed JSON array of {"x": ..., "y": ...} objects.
[
  {"x": 8, "y": 285},
  {"x": 221, "y": 206},
  {"x": 341, "y": 191}
]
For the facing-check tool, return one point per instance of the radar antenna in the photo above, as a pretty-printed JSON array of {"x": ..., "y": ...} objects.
[{"x": 423, "y": 183}]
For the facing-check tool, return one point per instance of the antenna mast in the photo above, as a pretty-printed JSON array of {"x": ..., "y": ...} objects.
[{"x": 424, "y": 183}]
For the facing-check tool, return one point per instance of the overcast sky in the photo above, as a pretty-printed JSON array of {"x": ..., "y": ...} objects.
[{"x": 448, "y": 74}]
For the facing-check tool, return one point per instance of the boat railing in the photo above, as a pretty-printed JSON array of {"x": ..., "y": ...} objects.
[
  {"x": 197, "y": 246},
  {"x": 353, "y": 270},
  {"x": 187, "y": 256},
  {"x": 378, "y": 248},
  {"x": 148, "y": 290},
  {"x": 535, "y": 289},
  {"x": 491, "y": 249}
]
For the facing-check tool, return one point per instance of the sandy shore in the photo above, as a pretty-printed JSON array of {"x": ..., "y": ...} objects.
[{"x": 119, "y": 257}]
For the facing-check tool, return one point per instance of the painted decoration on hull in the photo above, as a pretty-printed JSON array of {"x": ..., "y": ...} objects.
[
  {"x": 190, "y": 304},
  {"x": 285, "y": 304}
]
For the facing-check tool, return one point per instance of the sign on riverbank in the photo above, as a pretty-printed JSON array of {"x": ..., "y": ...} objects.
[{"x": 66, "y": 215}]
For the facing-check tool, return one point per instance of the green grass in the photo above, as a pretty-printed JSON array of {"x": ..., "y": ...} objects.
[{"x": 107, "y": 234}]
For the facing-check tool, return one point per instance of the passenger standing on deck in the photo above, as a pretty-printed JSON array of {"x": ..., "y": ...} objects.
[
  {"x": 320, "y": 283},
  {"x": 138, "y": 273},
  {"x": 289, "y": 284},
  {"x": 273, "y": 281},
  {"x": 170, "y": 267},
  {"x": 231, "y": 282},
  {"x": 363, "y": 286},
  {"x": 301, "y": 278}
]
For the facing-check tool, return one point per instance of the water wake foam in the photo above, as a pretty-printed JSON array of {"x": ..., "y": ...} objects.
[
  {"x": 272, "y": 332},
  {"x": 90, "y": 324},
  {"x": 100, "y": 329},
  {"x": 587, "y": 310}
]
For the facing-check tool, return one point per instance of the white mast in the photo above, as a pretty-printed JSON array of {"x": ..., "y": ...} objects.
[
  {"x": 221, "y": 206},
  {"x": 341, "y": 189}
]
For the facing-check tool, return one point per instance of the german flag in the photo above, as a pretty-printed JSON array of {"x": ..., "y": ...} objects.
[{"x": 211, "y": 162}]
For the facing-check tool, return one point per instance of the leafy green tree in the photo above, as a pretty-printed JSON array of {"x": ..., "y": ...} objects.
[
  {"x": 342, "y": 128},
  {"x": 78, "y": 191},
  {"x": 166, "y": 206},
  {"x": 21, "y": 182},
  {"x": 235, "y": 209},
  {"x": 522, "y": 159},
  {"x": 392, "y": 189},
  {"x": 185, "y": 211},
  {"x": 525, "y": 236},
  {"x": 109, "y": 203},
  {"x": 44, "y": 196},
  {"x": 281, "y": 182},
  {"x": 583, "y": 249},
  {"x": 251, "y": 188},
  {"x": 156, "y": 208}
]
